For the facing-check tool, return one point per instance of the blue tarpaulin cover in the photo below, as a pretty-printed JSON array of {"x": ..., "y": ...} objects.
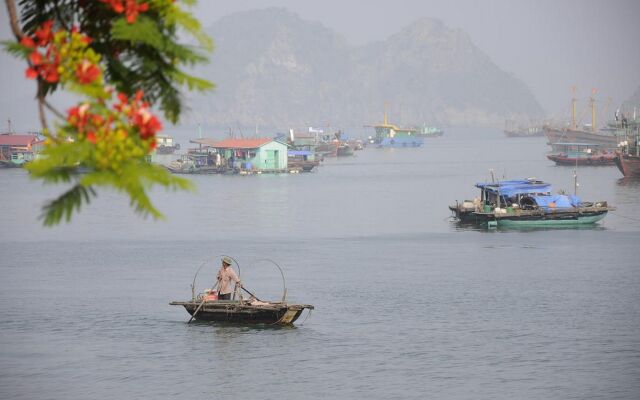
[
  {"x": 515, "y": 187},
  {"x": 557, "y": 201},
  {"x": 299, "y": 153}
]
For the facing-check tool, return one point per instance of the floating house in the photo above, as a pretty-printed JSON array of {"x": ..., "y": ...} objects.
[
  {"x": 259, "y": 154},
  {"x": 15, "y": 150}
]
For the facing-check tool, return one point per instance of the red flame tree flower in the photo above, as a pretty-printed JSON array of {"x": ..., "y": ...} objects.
[{"x": 107, "y": 138}]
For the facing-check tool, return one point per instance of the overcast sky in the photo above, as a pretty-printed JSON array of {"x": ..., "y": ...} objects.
[{"x": 551, "y": 45}]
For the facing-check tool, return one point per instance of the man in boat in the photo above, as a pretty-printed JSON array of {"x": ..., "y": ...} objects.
[{"x": 226, "y": 275}]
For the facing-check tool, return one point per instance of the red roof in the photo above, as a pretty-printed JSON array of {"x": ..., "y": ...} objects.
[
  {"x": 17, "y": 140},
  {"x": 241, "y": 143}
]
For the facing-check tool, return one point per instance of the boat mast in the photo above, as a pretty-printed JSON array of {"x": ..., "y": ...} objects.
[
  {"x": 573, "y": 109},
  {"x": 592, "y": 102},
  {"x": 385, "y": 114}
]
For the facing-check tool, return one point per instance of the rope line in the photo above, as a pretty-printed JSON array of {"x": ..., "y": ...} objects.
[{"x": 624, "y": 216}]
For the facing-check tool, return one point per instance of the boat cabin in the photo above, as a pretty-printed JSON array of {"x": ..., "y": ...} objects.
[
  {"x": 17, "y": 149},
  {"x": 259, "y": 154},
  {"x": 577, "y": 149},
  {"x": 507, "y": 193}
]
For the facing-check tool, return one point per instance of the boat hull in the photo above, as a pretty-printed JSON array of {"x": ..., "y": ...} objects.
[
  {"x": 167, "y": 149},
  {"x": 627, "y": 164},
  {"x": 605, "y": 141},
  {"x": 549, "y": 220},
  {"x": 344, "y": 151},
  {"x": 306, "y": 165},
  {"x": 245, "y": 313},
  {"x": 579, "y": 216},
  {"x": 401, "y": 142},
  {"x": 523, "y": 133},
  {"x": 598, "y": 160},
  {"x": 430, "y": 135}
]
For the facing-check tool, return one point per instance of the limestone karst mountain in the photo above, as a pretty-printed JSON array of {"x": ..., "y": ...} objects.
[{"x": 272, "y": 68}]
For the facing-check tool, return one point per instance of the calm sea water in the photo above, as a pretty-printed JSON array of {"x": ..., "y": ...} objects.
[{"x": 408, "y": 305}]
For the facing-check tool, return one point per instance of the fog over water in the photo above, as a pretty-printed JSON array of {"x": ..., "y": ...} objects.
[
  {"x": 408, "y": 303},
  {"x": 549, "y": 45}
]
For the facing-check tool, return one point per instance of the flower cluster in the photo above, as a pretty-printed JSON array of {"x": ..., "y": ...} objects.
[
  {"x": 139, "y": 115},
  {"x": 61, "y": 56},
  {"x": 42, "y": 65},
  {"x": 125, "y": 131},
  {"x": 130, "y": 8}
]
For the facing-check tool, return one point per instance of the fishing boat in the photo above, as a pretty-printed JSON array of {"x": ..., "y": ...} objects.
[
  {"x": 197, "y": 161},
  {"x": 527, "y": 203},
  {"x": 389, "y": 135},
  {"x": 302, "y": 160},
  {"x": 583, "y": 154},
  {"x": 606, "y": 138},
  {"x": 344, "y": 150},
  {"x": 627, "y": 157},
  {"x": 430, "y": 131},
  {"x": 515, "y": 129},
  {"x": 166, "y": 145},
  {"x": 206, "y": 306}
]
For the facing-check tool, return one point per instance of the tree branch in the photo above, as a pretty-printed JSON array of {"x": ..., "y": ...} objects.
[
  {"x": 43, "y": 117},
  {"x": 53, "y": 109},
  {"x": 13, "y": 18}
]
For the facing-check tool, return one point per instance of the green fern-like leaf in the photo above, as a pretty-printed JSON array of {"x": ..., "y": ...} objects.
[
  {"x": 192, "y": 82},
  {"x": 64, "y": 206},
  {"x": 144, "y": 30}
]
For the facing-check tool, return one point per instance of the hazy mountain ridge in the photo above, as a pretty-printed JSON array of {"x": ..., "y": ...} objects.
[{"x": 273, "y": 69}]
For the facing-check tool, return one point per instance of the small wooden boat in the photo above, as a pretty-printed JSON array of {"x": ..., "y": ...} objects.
[
  {"x": 241, "y": 311},
  {"x": 344, "y": 150},
  {"x": 166, "y": 145},
  {"x": 207, "y": 307},
  {"x": 302, "y": 160}
]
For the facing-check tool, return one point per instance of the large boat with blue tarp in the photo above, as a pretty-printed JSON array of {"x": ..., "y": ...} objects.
[{"x": 526, "y": 202}]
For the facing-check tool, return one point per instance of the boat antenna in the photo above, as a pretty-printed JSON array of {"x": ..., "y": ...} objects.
[
  {"x": 493, "y": 178},
  {"x": 284, "y": 284},
  {"x": 193, "y": 284},
  {"x": 575, "y": 181},
  {"x": 199, "y": 131}
]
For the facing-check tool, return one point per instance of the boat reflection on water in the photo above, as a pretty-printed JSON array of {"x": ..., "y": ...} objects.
[
  {"x": 459, "y": 226},
  {"x": 631, "y": 181}
]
